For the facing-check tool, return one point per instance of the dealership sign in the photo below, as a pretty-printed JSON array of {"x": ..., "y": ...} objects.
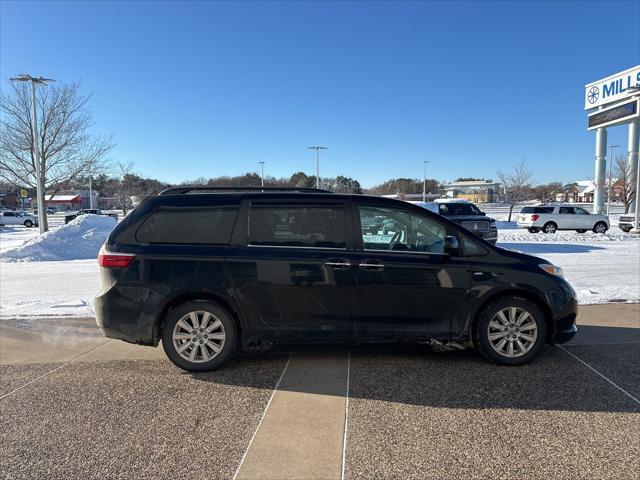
[
  {"x": 614, "y": 114},
  {"x": 611, "y": 89}
]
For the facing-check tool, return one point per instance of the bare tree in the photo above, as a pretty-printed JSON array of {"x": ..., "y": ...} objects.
[
  {"x": 126, "y": 186},
  {"x": 517, "y": 185},
  {"x": 67, "y": 149},
  {"x": 624, "y": 184}
]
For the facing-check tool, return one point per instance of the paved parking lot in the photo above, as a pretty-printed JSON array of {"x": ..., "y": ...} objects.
[{"x": 75, "y": 405}]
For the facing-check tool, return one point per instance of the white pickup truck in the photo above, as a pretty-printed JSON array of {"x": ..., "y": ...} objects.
[{"x": 549, "y": 218}]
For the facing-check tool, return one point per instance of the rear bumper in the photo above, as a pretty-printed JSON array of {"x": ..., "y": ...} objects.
[{"x": 122, "y": 317}]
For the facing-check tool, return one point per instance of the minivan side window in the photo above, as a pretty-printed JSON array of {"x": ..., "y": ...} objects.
[
  {"x": 566, "y": 210},
  {"x": 210, "y": 226},
  {"x": 395, "y": 229},
  {"x": 310, "y": 226}
]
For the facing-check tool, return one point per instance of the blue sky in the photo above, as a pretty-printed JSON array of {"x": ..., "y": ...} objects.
[{"x": 194, "y": 89}]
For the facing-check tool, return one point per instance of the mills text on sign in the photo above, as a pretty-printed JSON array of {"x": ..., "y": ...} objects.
[{"x": 611, "y": 89}]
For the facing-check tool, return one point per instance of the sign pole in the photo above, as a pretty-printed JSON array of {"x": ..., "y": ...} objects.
[
  {"x": 633, "y": 139},
  {"x": 600, "y": 170}
]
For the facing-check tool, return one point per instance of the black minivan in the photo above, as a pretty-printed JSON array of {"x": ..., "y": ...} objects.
[{"x": 211, "y": 271}]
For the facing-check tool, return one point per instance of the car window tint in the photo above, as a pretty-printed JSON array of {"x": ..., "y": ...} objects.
[
  {"x": 527, "y": 210},
  {"x": 400, "y": 230},
  {"x": 543, "y": 210},
  {"x": 581, "y": 211},
  {"x": 297, "y": 226},
  {"x": 566, "y": 210},
  {"x": 203, "y": 226}
]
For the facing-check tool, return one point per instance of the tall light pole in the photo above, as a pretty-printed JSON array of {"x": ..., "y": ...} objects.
[
  {"x": 424, "y": 183},
  {"x": 611, "y": 147},
  {"x": 261, "y": 174},
  {"x": 317, "y": 148},
  {"x": 36, "y": 153}
]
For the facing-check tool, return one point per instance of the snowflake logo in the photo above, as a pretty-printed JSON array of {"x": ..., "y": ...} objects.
[{"x": 592, "y": 96}]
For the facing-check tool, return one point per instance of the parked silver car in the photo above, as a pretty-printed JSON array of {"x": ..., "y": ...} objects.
[
  {"x": 11, "y": 217},
  {"x": 549, "y": 218}
]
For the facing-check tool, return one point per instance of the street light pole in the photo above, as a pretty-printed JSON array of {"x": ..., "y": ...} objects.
[
  {"x": 424, "y": 182},
  {"x": 261, "y": 174},
  {"x": 610, "y": 165},
  {"x": 317, "y": 148},
  {"x": 90, "y": 190},
  {"x": 36, "y": 152}
]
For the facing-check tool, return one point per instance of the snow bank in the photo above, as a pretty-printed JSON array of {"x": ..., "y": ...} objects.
[
  {"x": 77, "y": 240},
  {"x": 521, "y": 235}
]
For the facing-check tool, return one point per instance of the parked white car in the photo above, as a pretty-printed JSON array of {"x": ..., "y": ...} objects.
[
  {"x": 11, "y": 217},
  {"x": 549, "y": 218}
]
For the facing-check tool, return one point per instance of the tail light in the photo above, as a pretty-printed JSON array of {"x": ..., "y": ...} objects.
[
  {"x": 109, "y": 259},
  {"x": 534, "y": 217}
]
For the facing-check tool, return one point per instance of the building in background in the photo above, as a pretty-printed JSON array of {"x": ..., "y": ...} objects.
[
  {"x": 477, "y": 191},
  {"x": 72, "y": 200}
]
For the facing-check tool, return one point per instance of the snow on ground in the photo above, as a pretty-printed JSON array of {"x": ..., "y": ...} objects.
[
  {"x": 79, "y": 239},
  {"x": 601, "y": 267},
  {"x": 48, "y": 289}
]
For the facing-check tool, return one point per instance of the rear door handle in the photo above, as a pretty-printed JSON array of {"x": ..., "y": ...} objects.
[
  {"x": 338, "y": 264},
  {"x": 372, "y": 265}
]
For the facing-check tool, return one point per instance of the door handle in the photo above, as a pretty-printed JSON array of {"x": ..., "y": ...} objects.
[
  {"x": 338, "y": 264},
  {"x": 372, "y": 265}
]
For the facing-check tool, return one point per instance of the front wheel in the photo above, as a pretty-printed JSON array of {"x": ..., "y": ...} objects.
[
  {"x": 510, "y": 331},
  {"x": 199, "y": 336},
  {"x": 28, "y": 223},
  {"x": 600, "y": 227}
]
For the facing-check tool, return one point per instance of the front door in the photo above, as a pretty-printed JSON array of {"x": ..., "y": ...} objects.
[
  {"x": 567, "y": 218},
  {"x": 406, "y": 285},
  {"x": 295, "y": 276}
]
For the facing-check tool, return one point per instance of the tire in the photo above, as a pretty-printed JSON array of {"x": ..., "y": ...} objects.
[
  {"x": 487, "y": 320},
  {"x": 625, "y": 229},
  {"x": 600, "y": 227},
  {"x": 193, "y": 357},
  {"x": 550, "y": 227},
  {"x": 533, "y": 230},
  {"x": 581, "y": 231},
  {"x": 28, "y": 223}
]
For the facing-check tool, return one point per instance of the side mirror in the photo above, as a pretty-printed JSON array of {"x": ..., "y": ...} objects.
[{"x": 451, "y": 244}]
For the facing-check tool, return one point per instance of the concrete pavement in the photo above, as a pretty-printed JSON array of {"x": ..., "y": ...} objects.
[{"x": 76, "y": 405}]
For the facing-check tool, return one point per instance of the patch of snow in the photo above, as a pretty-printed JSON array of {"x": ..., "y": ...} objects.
[
  {"x": 48, "y": 289},
  {"x": 77, "y": 240}
]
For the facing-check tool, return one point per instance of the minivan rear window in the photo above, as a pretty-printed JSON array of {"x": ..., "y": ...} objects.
[
  {"x": 297, "y": 226},
  {"x": 210, "y": 226}
]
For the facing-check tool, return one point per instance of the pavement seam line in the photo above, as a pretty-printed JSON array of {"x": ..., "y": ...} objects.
[
  {"x": 601, "y": 375},
  {"x": 264, "y": 414},
  {"x": 54, "y": 370},
  {"x": 346, "y": 416}
]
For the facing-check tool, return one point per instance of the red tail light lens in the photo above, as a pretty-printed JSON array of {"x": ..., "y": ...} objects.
[
  {"x": 114, "y": 260},
  {"x": 534, "y": 217}
]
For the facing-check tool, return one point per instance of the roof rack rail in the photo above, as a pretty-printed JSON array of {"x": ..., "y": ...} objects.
[{"x": 198, "y": 188}]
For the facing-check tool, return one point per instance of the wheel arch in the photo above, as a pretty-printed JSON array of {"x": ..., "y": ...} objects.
[
  {"x": 192, "y": 296},
  {"x": 527, "y": 295}
]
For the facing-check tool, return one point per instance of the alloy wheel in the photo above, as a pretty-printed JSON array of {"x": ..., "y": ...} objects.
[
  {"x": 512, "y": 332},
  {"x": 198, "y": 336},
  {"x": 601, "y": 228}
]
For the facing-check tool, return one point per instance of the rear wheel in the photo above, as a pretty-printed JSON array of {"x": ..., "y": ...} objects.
[
  {"x": 510, "y": 331},
  {"x": 581, "y": 231},
  {"x": 550, "y": 227},
  {"x": 533, "y": 230},
  {"x": 199, "y": 336},
  {"x": 600, "y": 227}
]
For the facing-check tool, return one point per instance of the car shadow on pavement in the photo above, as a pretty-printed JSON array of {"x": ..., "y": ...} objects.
[
  {"x": 415, "y": 375},
  {"x": 543, "y": 247}
]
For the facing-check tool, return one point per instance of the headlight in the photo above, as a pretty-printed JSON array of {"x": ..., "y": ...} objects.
[{"x": 551, "y": 269}]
